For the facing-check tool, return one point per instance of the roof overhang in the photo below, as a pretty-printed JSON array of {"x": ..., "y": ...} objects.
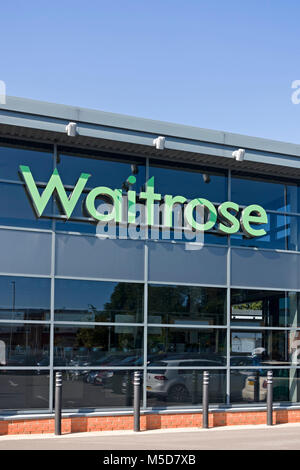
[{"x": 46, "y": 122}]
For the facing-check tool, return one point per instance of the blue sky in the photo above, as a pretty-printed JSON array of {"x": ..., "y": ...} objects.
[{"x": 217, "y": 64}]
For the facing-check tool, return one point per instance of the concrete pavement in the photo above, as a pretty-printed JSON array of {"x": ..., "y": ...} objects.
[{"x": 260, "y": 437}]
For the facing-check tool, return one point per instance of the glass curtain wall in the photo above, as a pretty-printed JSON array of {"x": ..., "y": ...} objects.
[{"x": 91, "y": 304}]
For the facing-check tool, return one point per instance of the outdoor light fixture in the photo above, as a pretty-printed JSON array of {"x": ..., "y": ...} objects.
[
  {"x": 206, "y": 178},
  {"x": 159, "y": 142},
  {"x": 239, "y": 155},
  {"x": 71, "y": 129}
]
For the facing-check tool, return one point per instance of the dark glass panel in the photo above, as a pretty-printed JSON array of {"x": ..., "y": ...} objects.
[
  {"x": 186, "y": 304},
  {"x": 278, "y": 228},
  {"x": 188, "y": 181},
  {"x": 266, "y": 347},
  {"x": 98, "y": 345},
  {"x": 24, "y": 389},
  {"x": 265, "y": 308},
  {"x": 267, "y": 193},
  {"x": 24, "y": 298},
  {"x": 248, "y": 386},
  {"x": 293, "y": 198},
  {"x": 16, "y": 208},
  {"x": 38, "y": 157},
  {"x": 188, "y": 343},
  {"x": 173, "y": 387},
  {"x": 111, "y": 170},
  {"x": 97, "y": 301},
  {"x": 24, "y": 344}
]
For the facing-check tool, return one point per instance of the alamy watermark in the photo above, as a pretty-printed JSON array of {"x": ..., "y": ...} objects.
[
  {"x": 2, "y": 92},
  {"x": 296, "y": 94}
]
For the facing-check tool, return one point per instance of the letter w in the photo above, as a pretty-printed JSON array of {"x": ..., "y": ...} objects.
[{"x": 40, "y": 201}]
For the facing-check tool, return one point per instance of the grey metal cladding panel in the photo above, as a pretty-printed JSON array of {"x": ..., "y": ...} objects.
[
  {"x": 258, "y": 268},
  {"x": 169, "y": 262},
  {"x": 23, "y": 252},
  {"x": 91, "y": 257},
  {"x": 64, "y": 112}
]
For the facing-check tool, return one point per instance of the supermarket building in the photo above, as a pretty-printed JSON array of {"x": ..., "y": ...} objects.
[{"x": 129, "y": 244}]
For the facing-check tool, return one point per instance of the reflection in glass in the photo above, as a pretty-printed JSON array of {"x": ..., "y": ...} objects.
[
  {"x": 98, "y": 345},
  {"x": 266, "y": 347},
  {"x": 97, "y": 389},
  {"x": 24, "y": 298},
  {"x": 16, "y": 209},
  {"x": 170, "y": 387},
  {"x": 186, "y": 304},
  {"x": 251, "y": 307},
  {"x": 24, "y": 389},
  {"x": 24, "y": 344},
  {"x": 39, "y": 158},
  {"x": 98, "y": 301},
  {"x": 110, "y": 171},
  {"x": 180, "y": 343},
  {"x": 248, "y": 386},
  {"x": 278, "y": 230},
  {"x": 188, "y": 181},
  {"x": 267, "y": 193}
]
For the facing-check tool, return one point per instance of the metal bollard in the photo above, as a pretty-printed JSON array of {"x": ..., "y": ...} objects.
[
  {"x": 205, "y": 400},
  {"x": 58, "y": 400},
  {"x": 136, "y": 400},
  {"x": 270, "y": 398}
]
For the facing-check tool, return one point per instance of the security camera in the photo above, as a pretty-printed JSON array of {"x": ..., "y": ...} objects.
[
  {"x": 159, "y": 142},
  {"x": 71, "y": 129},
  {"x": 239, "y": 155}
]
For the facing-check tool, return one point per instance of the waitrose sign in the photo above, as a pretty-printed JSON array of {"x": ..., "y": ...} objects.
[{"x": 227, "y": 218}]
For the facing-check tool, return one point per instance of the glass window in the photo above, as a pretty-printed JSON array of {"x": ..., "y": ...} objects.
[
  {"x": 186, "y": 304},
  {"x": 171, "y": 387},
  {"x": 24, "y": 298},
  {"x": 98, "y": 345},
  {"x": 265, "y": 308},
  {"x": 16, "y": 208},
  {"x": 248, "y": 386},
  {"x": 180, "y": 343},
  {"x": 97, "y": 301},
  {"x": 293, "y": 198},
  {"x": 38, "y": 157},
  {"x": 278, "y": 228},
  {"x": 111, "y": 170},
  {"x": 24, "y": 389},
  {"x": 267, "y": 193},
  {"x": 266, "y": 347},
  {"x": 97, "y": 389},
  {"x": 188, "y": 181},
  {"x": 24, "y": 344}
]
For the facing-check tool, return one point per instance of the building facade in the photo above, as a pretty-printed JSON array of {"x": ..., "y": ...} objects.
[{"x": 98, "y": 298}]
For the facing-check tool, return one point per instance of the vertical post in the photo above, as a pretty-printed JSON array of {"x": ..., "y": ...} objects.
[
  {"x": 137, "y": 400},
  {"x": 205, "y": 400},
  {"x": 269, "y": 398},
  {"x": 58, "y": 400}
]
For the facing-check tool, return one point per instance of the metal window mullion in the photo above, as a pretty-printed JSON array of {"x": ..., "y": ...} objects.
[
  {"x": 51, "y": 363},
  {"x": 228, "y": 303},
  {"x": 146, "y": 276}
]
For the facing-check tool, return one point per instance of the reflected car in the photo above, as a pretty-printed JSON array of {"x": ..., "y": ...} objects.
[
  {"x": 253, "y": 391},
  {"x": 177, "y": 385}
]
